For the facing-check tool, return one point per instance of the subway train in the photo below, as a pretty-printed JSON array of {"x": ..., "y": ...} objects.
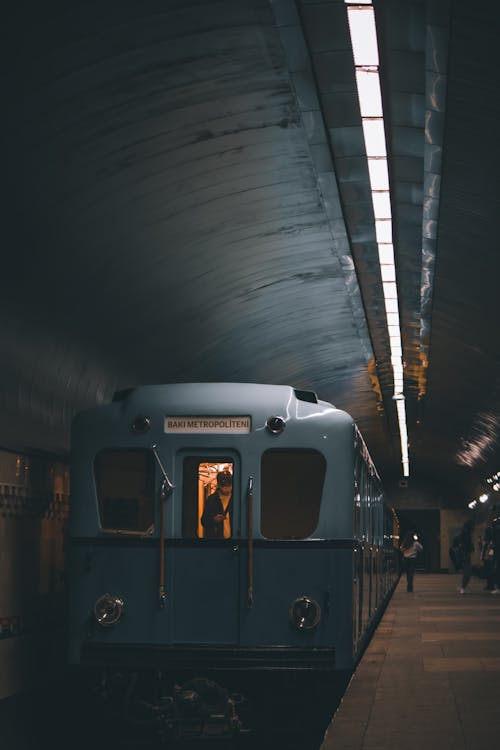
[{"x": 220, "y": 529}]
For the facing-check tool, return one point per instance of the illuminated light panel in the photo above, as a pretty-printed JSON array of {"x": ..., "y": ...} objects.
[
  {"x": 390, "y": 290},
  {"x": 388, "y": 273},
  {"x": 373, "y": 130},
  {"x": 370, "y": 98},
  {"x": 379, "y": 173},
  {"x": 363, "y": 31},
  {"x": 381, "y": 204},
  {"x": 383, "y": 230},
  {"x": 363, "y": 35},
  {"x": 386, "y": 254}
]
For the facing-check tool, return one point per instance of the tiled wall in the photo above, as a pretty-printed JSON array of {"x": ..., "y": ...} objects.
[{"x": 34, "y": 505}]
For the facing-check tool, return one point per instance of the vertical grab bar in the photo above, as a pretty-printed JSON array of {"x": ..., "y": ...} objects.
[
  {"x": 166, "y": 487},
  {"x": 163, "y": 501},
  {"x": 250, "y": 541}
]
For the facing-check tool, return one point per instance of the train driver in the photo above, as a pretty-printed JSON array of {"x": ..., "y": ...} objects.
[{"x": 216, "y": 518}]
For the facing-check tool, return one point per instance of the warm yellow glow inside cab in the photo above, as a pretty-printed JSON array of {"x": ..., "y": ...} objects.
[{"x": 207, "y": 487}]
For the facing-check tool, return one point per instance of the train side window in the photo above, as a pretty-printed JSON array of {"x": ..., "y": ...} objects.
[
  {"x": 207, "y": 498},
  {"x": 291, "y": 490},
  {"x": 125, "y": 490}
]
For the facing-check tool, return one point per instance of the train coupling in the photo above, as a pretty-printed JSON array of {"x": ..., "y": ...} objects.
[{"x": 202, "y": 708}]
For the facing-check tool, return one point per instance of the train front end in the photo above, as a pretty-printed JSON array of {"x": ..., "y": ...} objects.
[{"x": 211, "y": 534}]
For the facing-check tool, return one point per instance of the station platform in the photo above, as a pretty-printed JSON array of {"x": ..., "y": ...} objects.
[{"x": 430, "y": 677}]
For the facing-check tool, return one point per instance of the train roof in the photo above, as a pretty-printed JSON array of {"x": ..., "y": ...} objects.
[
  {"x": 259, "y": 400},
  {"x": 207, "y": 397}
]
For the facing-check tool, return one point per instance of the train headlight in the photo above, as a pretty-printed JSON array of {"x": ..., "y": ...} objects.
[
  {"x": 275, "y": 425},
  {"x": 305, "y": 613},
  {"x": 141, "y": 424},
  {"x": 108, "y": 610}
]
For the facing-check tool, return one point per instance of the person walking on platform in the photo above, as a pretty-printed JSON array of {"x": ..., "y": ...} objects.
[
  {"x": 488, "y": 559},
  {"x": 410, "y": 547},
  {"x": 464, "y": 548},
  {"x": 495, "y": 527}
]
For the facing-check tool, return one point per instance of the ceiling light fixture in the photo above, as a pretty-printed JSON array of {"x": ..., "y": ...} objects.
[{"x": 362, "y": 27}]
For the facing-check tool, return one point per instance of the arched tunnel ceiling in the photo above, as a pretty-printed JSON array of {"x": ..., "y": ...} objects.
[{"x": 191, "y": 203}]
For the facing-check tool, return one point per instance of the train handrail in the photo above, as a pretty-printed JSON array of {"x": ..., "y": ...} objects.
[
  {"x": 166, "y": 487},
  {"x": 250, "y": 541},
  {"x": 163, "y": 501}
]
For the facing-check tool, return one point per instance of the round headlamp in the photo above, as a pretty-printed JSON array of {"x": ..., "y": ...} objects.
[
  {"x": 305, "y": 613},
  {"x": 108, "y": 610},
  {"x": 141, "y": 424},
  {"x": 275, "y": 425}
]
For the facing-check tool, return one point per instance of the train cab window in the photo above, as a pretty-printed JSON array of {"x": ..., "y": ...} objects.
[
  {"x": 125, "y": 490},
  {"x": 291, "y": 490},
  {"x": 207, "y": 498}
]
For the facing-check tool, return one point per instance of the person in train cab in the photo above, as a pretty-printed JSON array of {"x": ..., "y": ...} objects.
[
  {"x": 464, "y": 547},
  {"x": 216, "y": 518},
  {"x": 410, "y": 547}
]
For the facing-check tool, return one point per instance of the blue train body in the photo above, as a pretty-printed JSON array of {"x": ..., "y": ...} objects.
[{"x": 291, "y": 576}]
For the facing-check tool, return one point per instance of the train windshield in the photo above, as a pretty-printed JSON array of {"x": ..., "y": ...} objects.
[
  {"x": 291, "y": 490},
  {"x": 207, "y": 498},
  {"x": 125, "y": 490}
]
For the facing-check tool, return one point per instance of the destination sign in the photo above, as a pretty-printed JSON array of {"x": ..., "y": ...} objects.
[{"x": 214, "y": 425}]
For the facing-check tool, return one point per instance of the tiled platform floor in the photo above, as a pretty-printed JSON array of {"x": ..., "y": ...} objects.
[{"x": 430, "y": 678}]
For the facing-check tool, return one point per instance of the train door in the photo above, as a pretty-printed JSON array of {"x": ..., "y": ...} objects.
[
  {"x": 366, "y": 549},
  {"x": 372, "y": 531},
  {"x": 205, "y": 561},
  {"x": 357, "y": 576},
  {"x": 279, "y": 571}
]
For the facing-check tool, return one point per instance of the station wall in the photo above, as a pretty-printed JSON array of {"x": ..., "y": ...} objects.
[{"x": 34, "y": 505}]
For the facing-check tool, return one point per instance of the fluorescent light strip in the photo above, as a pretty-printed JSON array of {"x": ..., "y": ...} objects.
[{"x": 361, "y": 18}]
